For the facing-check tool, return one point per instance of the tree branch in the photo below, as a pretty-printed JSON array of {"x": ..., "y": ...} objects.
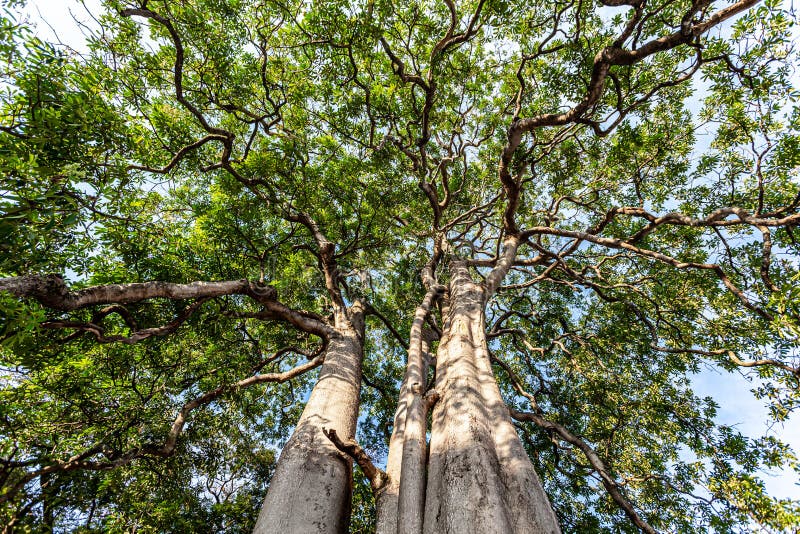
[
  {"x": 371, "y": 310},
  {"x": 327, "y": 257},
  {"x": 136, "y": 335},
  {"x": 377, "y": 478},
  {"x": 625, "y": 245},
  {"x": 51, "y": 291},
  {"x": 603, "y": 61},
  {"x": 597, "y": 464}
]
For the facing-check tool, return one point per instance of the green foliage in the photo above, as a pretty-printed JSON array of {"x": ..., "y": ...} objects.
[{"x": 110, "y": 173}]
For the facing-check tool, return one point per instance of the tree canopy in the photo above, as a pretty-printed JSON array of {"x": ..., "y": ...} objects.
[{"x": 188, "y": 201}]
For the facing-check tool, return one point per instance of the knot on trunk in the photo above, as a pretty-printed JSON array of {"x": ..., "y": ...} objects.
[
  {"x": 431, "y": 398},
  {"x": 429, "y": 335},
  {"x": 327, "y": 249},
  {"x": 53, "y": 287}
]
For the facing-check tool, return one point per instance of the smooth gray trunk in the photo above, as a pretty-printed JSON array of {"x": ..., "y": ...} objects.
[
  {"x": 387, "y": 497},
  {"x": 311, "y": 489},
  {"x": 407, "y": 452},
  {"x": 480, "y": 479}
]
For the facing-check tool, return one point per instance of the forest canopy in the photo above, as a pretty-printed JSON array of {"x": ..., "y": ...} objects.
[{"x": 427, "y": 266}]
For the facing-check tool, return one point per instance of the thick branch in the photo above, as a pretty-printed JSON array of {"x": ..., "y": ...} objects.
[
  {"x": 51, "y": 291},
  {"x": 327, "y": 257},
  {"x": 411, "y": 496},
  {"x": 350, "y": 447},
  {"x": 504, "y": 263}
]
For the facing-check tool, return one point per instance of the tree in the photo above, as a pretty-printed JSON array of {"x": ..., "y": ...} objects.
[{"x": 490, "y": 242}]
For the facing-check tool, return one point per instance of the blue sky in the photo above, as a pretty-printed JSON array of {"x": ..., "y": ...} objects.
[{"x": 738, "y": 408}]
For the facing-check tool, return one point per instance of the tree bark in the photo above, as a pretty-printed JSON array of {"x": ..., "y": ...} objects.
[
  {"x": 311, "y": 489},
  {"x": 480, "y": 478},
  {"x": 387, "y": 497}
]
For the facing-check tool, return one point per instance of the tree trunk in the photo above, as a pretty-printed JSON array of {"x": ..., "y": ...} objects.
[
  {"x": 400, "y": 502},
  {"x": 405, "y": 463},
  {"x": 311, "y": 489},
  {"x": 479, "y": 477},
  {"x": 386, "y": 498}
]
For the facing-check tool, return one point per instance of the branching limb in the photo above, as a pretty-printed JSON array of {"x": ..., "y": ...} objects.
[
  {"x": 451, "y": 38},
  {"x": 179, "y": 155},
  {"x": 603, "y": 61},
  {"x": 377, "y": 478},
  {"x": 399, "y": 67},
  {"x": 597, "y": 464},
  {"x": 136, "y": 335},
  {"x": 51, "y": 291},
  {"x": 647, "y": 253},
  {"x": 717, "y": 218},
  {"x": 733, "y": 357},
  {"x": 178, "y": 70},
  {"x": 177, "y": 426},
  {"x": 609, "y": 483},
  {"x": 327, "y": 257}
]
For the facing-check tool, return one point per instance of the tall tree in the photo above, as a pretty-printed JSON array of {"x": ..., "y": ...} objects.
[{"x": 489, "y": 243}]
